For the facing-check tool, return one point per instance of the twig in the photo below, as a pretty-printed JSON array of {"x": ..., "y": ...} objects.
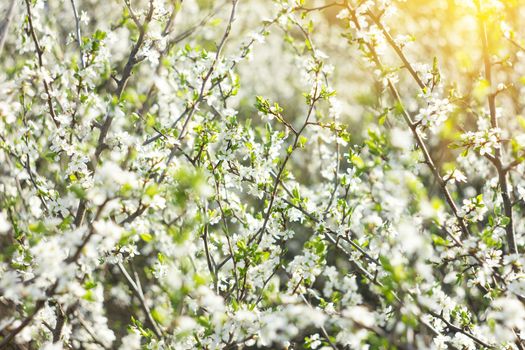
[
  {"x": 4, "y": 27},
  {"x": 501, "y": 170},
  {"x": 413, "y": 128},
  {"x": 137, "y": 290},
  {"x": 40, "y": 53},
  {"x": 79, "y": 37},
  {"x": 191, "y": 111},
  {"x": 121, "y": 83}
]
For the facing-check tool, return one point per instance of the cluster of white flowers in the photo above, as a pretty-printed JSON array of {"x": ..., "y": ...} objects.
[
  {"x": 436, "y": 111},
  {"x": 474, "y": 208},
  {"x": 454, "y": 176},
  {"x": 484, "y": 141}
]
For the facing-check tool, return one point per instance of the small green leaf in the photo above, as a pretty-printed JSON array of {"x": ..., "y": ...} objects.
[{"x": 146, "y": 237}]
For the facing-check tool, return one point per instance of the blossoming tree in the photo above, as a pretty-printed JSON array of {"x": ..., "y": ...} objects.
[{"x": 271, "y": 174}]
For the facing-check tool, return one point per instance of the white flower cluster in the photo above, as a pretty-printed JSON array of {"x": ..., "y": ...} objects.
[
  {"x": 436, "y": 111},
  {"x": 484, "y": 141}
]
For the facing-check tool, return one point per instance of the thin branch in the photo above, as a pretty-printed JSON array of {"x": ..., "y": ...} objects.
[
  {"x": 191, "y": 111},
  {"x": 121, "y": 84},
  {"x": 397, "y": 49},
  {"x": 91, "y": 333},
  {"x": 501, "y": 170},
  {"x": 4, "y": 27},
  {"x": 10, "y": 337},
  {"x": 79, "y": 37},
  {"x": 137, "y": 290},
  {"x": 457, "y": 329},
  {"x": 515, "y": 43},
  {"x": 319, "y": 8},
  {"x": 413, "y": 128},
  {"x": 186, "y": 33},
  {"x": 40, "y": 53}
]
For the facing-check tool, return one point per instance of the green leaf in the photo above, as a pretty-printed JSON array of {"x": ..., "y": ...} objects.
[
  {"x": 146, "y": 237},
  {"x": 152, "y": 190},
  {"x": 302, "y": 141}
]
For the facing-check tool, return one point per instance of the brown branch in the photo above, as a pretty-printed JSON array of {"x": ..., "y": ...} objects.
[
  {"x": 121, "y": 84},
  {"x": 40, "y": 53},
  {"x": 10, "y": 337},
  {"x": 501, "y": 170},
  {"x": 191, "y": 111},
  {"x": 413, "y": 128},
  {"x": 397, "y": 49}
]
